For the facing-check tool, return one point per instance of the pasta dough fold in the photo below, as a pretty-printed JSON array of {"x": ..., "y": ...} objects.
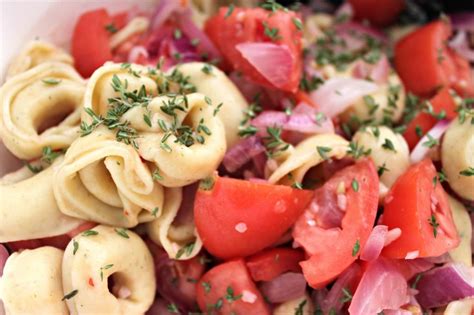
[
  {"x": 31, "y": 282},
  {"x": 95, "y": 259},
  {"x": 180, "y": 242},
  {"x": 32, "y": 102},
  {"x": 106, "y": 181},
  {"x": 28, "y": 209}
]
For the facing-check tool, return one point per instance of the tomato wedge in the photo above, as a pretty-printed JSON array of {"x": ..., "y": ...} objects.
[
  {"x": 90, "y": 41},
  {"x": 332, "y": 249},
  {"x": 237, "y": 218},
  {"x": 425, "y": 63},
  {"x": 271, "y": 263},
  {"x": 229, "y": 288},
  {"x": 421, "y": 210},
  {"x": 230, "y": 28},
  {"x": 443, "y": 101},
  {"x": 379, "y": 13}
]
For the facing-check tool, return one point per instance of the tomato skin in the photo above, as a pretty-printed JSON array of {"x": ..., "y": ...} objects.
[
  {"x": 247, "y": 26},
  {"x": 90, "y": 42},
  {"x": 464, "y": 83},
  {"x": 330, "y": 250},
  {"x": 234, "y": 275},
  {"x": 265, "y": 211},
  {"x": 409, "y": 205},
  {"x": 442, "y": 101},
  {"x": 379, "y": 13},
  {"x": 271, "y": 263}
]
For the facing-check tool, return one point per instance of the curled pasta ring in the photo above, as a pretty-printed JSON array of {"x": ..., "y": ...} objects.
[
  {"x": 180, "y": 242},
  {"x": 35, "y": 53},
  {"x": 30, "y": 101},
  {"x": 29, "y": 209},
  {"x": 32, "y": 282},
  {"x": 306, "y": 155},
  {"x": 123, "y": 257},
  {"x": 106, "y": 181}
]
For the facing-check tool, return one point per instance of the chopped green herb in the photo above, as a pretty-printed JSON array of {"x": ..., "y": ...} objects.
[
  {"x": 122, "y": 232},
  {"x": 299, "y": 309},
  {"x": 467, "y": 172},
  {"x": 274, "y": 144},
  {"x": 431, "y": 142},
  {"x": 51, "y": 81},
  {"x": 297, "y": 23},
  {"x": 206, "y": 183},
  {"x": 177, "y": 33},
  {"x": 382, "y": 169},
  {"x": 75, "y": 245},
  {"x": 356, "y": 248},
  {"x": 355, "y": 185},
  {"x": 89, "y": 233},
  {"x": 207, "y": 68},
  {"x": 247, "y": 131},
  {"x": 218, "y": 304},
  {"x": 434, "y": 224},
  {"x": 206, "y": 286},
  {"x": 230, "y": 297},
  {"x": 147, "y": 119},
  {"x": 70, "y": 295},
  {"x": 271, "y": 33},
  {"x": 49, "y": 155},
  {"x": 156, "y": 175},
  {"x": 417, "y": 279},
  {"x": 230, "y": 9},
  {"x": 33, "y": 169},
  {"x": 388, "y": 145},
  {"x": 104, "y": 268},
  {"x": 272, "y": 5},
  {"x": 217, "y": 109},
  {"x": 370, "y": 103},
  {"x": 154, "y": 212},
  {"x": 185, "y": 250},
  {"x": 322, "y": 152},
  {"x": 357, "y": 151},
  {"x": 347, "y": 296},
  {"x": 320, "y": 118},
  {"x": 111, "y": 28},
  {"x": 172, "y": 308}
]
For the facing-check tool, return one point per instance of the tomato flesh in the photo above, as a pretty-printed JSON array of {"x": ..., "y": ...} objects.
[
  {"x": 237, "y": 218},
  {"x": 229, "y": 288},
  {"x": 331, "y": 248},
  {"x": 271, "y": 263},
  {"x": 379, "y": 13},
  {"x": 90, "y": 42},
  {"x": 421, "y": 210}
]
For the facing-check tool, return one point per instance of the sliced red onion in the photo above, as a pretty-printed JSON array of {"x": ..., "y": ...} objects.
[
  {"x": 135, "y": 53},
  {"x": 190, "y": 29},
  {"x": 345, "y": 10},
  {"x": 443, "y": 259},
  {"x": 397, "y": 312},
  {"x": 3, "y": 258},
  {"x": 269, "y": 118},
  {"x": 335, "y": 295},
  {"x": 362, "y": 30},
  {"x": 285, "y": 287},
  {"x": 274, "y": 62},
  {"x": 409, "y": 268},
  {"x": 160, "y": 307},
  {"x": 421, "y": 150},
  {"x": 439, "y": 286},
  {"x": 382, "y": 287},
  {"x": 338, "y": 94},
  {"x": 463, "y": 21},
  {"x": 377, "y": 72},
  {"x": 460, "y": 43},
  {"x": 243, "y": 152},
  {"x": 163, "y": 11},
  {"x": 375, "y": 243},
  {"x": 303, "y": 119}
]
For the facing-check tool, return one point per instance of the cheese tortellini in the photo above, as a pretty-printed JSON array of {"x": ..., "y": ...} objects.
[
  {"x": 90, "y": 260},
  {"x": 174, "y": 239},
  {"x": 28, "y": 209},
  {"x": 35, "y": 53},
  {"x": 33, "y": 101},
  {"x": 457, "y": 156},
  {"x": 388, "y": 150},
  {"x": 306, "y": 156},
  {"x": 106, "y": 181},
  {"x": 32, "y": 283}
]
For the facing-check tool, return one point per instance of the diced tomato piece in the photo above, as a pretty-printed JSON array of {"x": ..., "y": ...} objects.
[
  {"x": 229, "y": 288},
  {"x": 333, "y": 249},
  {"x": 90, "y": 42},
  {"x": 379, "y": 13},
  {"x": 425, "y": 63},
  {"x": 271, "y": 263},
  {"x": 421, "y": 210},
  {"x": 254, "y": 26},
  {"x": 119, "y": 20},
  {"x": 443, "y": 101},
  {"x": 237, "y": 218}
]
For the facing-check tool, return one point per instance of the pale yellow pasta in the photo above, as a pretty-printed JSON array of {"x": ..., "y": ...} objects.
[
  {"x": 306, "y": 156},
  {"x": 303, "y": 303},
  {"x": 35, "y": 53},
  {"x": 462, "y": 221},
  {"x": 460, "y": 307},
  {"x": 32, "y": 102},
  {"x": 137, "y": 25},
  {"x": 457, "y": 155},
  {"x": 179, "y": 164},
  {"x": 395, "y": 161},
  {"x": 28, "y": 209},
  {"x": 32, "y": 282},
  {"x": 172, "y": 238},
  {"x": 220, "y": 89},
  {"x": 105, "y": 181},
  {"x": 388, "y": 103},
  {"x": 89, "y": 261}
]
